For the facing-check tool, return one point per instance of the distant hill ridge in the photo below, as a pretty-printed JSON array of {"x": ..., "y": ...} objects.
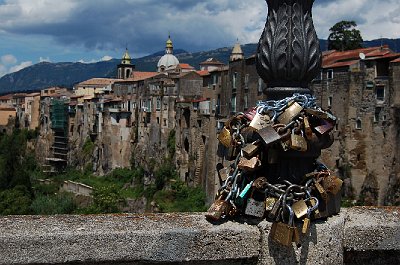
[{"x": 66, "y": 74}]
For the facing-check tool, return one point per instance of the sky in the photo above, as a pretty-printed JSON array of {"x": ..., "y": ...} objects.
[{"x": 33, "y": 31}]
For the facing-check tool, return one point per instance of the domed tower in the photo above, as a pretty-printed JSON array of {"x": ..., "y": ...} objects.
[
  {"x": 168, "y": 60},
  {"x": 125, "y": 68},
  {"x": 237, "y": 53}
]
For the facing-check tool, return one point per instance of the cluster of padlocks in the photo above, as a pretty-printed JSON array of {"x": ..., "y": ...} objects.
[{"x": 255, "y": 141}]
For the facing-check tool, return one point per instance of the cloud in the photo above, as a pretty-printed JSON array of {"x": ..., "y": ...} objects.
[
  {"x": 20, "y": 66},
  {"x": 106, "y": 58},
  {"x": 143, "y": 25},
  {"x": 44, "y": 59},
  {"x": 8, "y": 59}
]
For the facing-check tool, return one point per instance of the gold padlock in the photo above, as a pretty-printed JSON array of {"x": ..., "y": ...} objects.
[
  {"x": 269, "y": 203},
  {"x": 300, "y": 208},
  {"x": 225, "y": 137},
  {"x": 298, "y": 142},
  {"x": 307, "y": 128},
  {"x": 260, "y": 121},
  {"x": 248, "y": 164},
  {"x": 290, "y": 113},
  {"x": 218, "y": 210},
  {"x": 250, "y": 149},
  {"x": 332, "y": 184}
]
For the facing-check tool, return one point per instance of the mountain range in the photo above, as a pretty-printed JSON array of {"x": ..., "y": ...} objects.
[{"x": 66, "y": 74}]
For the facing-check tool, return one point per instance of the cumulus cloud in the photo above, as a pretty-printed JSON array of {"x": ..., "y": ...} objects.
[
  {"x": 20, "y": 66},
  {"x": 194, "y": 24},
  {"x": 8, "y": 59}
]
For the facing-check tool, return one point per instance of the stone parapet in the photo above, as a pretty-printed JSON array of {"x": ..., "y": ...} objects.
[{"x": 356, "y": 236}]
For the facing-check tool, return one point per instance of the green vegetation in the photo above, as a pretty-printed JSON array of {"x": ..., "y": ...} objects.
[
  {"x": 24, "y": 191},
  {"x": 344, "y": 36}
]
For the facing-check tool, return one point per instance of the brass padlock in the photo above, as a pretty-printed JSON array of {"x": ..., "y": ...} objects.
[
  {"x": 224, "y": 173},
  {"x": 269, "y": 203},
  {"x": 321, "y": 191},
  {"x": 332, "y": 184},
  {"x": 290, "y": 113},
  {"x": 218, "y": 210},
  {"x": 307, "y": 128},
  {"x": 260, "y": 121},
  {"x": 250, "y": 149},
  {"x": 284, "y": 233},
  {"x": 273, "y": 214},
  {"x": 269, "y": 135},
  {"x": 260, "y": 183},
  {"x": 298, "y": 142},
  {"x": 248, "y": 164},
  {"x": 225, "y": 138},
  {"x": 300, "y": 208}
]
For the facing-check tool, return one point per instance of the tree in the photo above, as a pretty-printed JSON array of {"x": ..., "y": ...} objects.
[{"x": 344, "y": 36}]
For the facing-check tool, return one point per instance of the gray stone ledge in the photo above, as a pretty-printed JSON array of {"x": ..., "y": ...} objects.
[{"x": 356, "y": 236}]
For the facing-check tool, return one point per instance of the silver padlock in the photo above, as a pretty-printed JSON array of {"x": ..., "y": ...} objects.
[{"x": 255, "y": 208}]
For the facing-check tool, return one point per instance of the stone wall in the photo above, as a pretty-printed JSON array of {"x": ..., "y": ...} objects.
[{"x": 355, "y": 236}]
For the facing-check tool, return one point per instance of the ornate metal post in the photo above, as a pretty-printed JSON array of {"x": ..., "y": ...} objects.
[
  {"x": 288, "y": 55},
  {"x": 288, "y": 58}
]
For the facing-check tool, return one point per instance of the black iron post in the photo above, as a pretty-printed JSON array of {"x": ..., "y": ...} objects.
[{"x": 288, "y": 59}]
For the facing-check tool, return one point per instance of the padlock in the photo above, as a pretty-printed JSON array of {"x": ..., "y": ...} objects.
[
  {"x": 298, "y": 142},
  {"x": 255, "y": 208},
  {"x": 224, "y": 173},
  {"x": 269, "y": 135},
  {"x": 321, "y": 114},
  {"x": 332, "y": 184},
  {"x": 283, "y": 233},
  {"x": 225, "y": 138},
  {"x": 218, "y": 210},
  {"x": 307, "y": 218},
  {"x": 250, "y": 114},
  {"x": 260, "y": 121},
  {"x": 274, "y": 213},
  {"x": 249, "y": 164},
  {"x": 316, "y": 214},
  {"x": 269, "y": 203},
  {"x": 321, "y": 191},
  {"x": 246, "y": 189},
  {"x": 307, "y": 128},
  {"x": 300, "y": 208},
  {"x": 260, "y": 183},
  {"x": 325, "y": 127},
  {"x": 290, "y": 113},
  {"x": 250, "y": 149}
]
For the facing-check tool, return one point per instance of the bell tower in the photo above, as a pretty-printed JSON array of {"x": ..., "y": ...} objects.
[{"x": 125, "y": 68}]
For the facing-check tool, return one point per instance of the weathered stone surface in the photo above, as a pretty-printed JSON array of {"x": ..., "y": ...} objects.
[
  {"x": 322, "y": 246},
  {"x": 372, "y": 228},
  {"x": 124, "y": 238}
]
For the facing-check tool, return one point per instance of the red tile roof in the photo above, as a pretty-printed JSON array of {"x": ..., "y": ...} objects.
[
  {"x": 186, "y": 66},
  {"x": 99, "y": 81},
  {"x": 138, "y": 76},
  {"x": 396, "y": 60},
  {"x": 203, "y": 72},
  {"x": 331, "y": 59},
  {"x": 6, "y": 97}
]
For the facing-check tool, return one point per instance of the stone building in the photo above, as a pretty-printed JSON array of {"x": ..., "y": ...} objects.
[{"x": 360, "y": 88}]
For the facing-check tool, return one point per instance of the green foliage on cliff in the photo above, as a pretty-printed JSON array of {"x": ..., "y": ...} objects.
[{"x": 62, "y": 203}]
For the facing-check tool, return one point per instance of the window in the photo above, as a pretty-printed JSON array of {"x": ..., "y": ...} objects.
[
  {"x": 233, "y": 103},
  {"x": 165, "y": 122},
  {"x": 158, "y": 104},
  {"x": 369, "y": 85},
  {"x": 158, "y": 120},
  {"x": 329, "y": 74},
  {"x": 246, "y": 101},
  {"x": 358, "y": 124},
  {"x": 260, "y": 85},
  {"x": 330, "y": 99},
  {"x": 246, "y": 81},
  {"x": 215, "y": 79},
  {"x": 234, "y": 80},
  {"x": 380, "y": 93}
]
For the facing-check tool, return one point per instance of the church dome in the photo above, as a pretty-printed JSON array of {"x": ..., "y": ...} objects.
[{"x": 168, "y": 60}]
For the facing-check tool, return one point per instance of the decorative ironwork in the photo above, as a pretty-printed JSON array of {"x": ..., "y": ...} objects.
[{"x": 288, "y": 55}]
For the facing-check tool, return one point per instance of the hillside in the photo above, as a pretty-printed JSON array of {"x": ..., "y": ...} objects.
[{"x": 43, "y": 75}]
